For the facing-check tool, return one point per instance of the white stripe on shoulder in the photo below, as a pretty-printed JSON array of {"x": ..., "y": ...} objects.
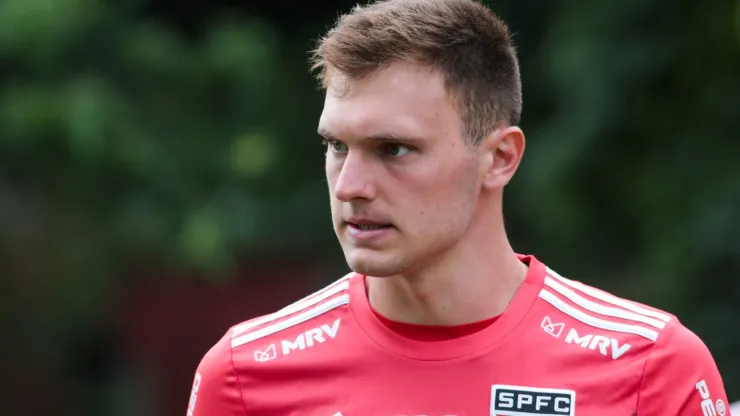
[
  {"x": 321, "y": 296},
  {"x": 594, "y": 321},
  {"x": 599, "y": 308},
  {"x": 605, "y": 297},
  {"x": 319, "y": 292},
  {"x": 292, "y": 321}
]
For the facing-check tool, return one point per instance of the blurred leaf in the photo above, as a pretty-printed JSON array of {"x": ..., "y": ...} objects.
[
  {"x": 29, "y": 112},
  {"x": 241, "y": 49},
  {"x": 252, "y": 155},
  {"x": 202, "y": 238},
  {"x": 43, "y": 29},
  {"x": 88, "y": 108}
]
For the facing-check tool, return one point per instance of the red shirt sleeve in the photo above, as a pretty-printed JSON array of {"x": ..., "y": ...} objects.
[
  {"x": 681, "y": 378},
  {"x": 216, "y": 389}
]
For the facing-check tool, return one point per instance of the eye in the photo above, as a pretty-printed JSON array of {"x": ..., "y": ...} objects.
[
  {"x": 336, "y": 146},
  {"x": 397, "y": 150}
]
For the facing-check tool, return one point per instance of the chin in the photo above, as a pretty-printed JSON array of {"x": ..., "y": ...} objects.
[{"x": 373, "y": 263}]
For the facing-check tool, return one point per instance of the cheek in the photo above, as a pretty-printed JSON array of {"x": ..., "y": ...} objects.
[
  {"x": 438, "y": 184},
  {"x": 332, "y": 173},
  {"x": 451, "y": 196}
]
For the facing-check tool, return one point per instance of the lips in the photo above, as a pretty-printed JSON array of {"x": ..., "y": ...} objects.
[
  {"x": 365, "y": 224},
  {"x": 368, "y": 227},
  {"x": 363, "y": 231}
]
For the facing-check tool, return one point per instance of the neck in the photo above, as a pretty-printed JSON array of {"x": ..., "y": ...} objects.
[{"x": 472, "y": 281}]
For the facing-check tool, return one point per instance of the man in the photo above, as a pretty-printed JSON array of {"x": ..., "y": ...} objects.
[{"x": 440, "y": 316}]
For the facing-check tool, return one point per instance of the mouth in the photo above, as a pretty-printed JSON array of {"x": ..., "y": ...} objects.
[
  {"x": 368, "y": 227},
  {"x": 363, "y": 231}
]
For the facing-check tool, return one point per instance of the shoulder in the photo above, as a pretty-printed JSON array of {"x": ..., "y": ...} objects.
[
  {"x": 598, "y": 307},
  {"x": 655, "y": 336},
  {"x": 216, "y": 387},
  {"x": 681, "y": 363},
  {"x": 593, "y": 308},
  {"x": 298, "y": 316}
]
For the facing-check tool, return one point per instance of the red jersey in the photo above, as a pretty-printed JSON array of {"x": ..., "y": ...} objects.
[{"x": 560, "y": 348}]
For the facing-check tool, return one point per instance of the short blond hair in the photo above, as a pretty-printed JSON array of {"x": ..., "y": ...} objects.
[{"x": 462, "y": 39}]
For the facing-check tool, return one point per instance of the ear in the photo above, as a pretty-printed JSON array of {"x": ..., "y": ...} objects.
[{"x": 502, "y": 151}]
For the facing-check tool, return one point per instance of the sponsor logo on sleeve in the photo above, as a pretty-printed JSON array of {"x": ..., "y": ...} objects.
[
  {"x": 194, "y": 394},
  {"x": 708, "y": 406},
  {"x": 721, "y": 407}
]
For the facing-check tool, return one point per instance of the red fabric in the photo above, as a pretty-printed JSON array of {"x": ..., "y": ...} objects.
[
  {"x": 560, "y": 348},
  {"x": 433, "y": 333}
]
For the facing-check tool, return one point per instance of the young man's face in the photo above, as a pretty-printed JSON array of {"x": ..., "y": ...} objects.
[{"x": 403, "y": 183}]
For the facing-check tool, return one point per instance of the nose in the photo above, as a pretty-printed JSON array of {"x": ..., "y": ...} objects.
[{"x": 355, "y": 179}]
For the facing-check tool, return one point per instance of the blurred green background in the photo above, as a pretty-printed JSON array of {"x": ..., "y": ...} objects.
[{"x": 161, "y": 178}]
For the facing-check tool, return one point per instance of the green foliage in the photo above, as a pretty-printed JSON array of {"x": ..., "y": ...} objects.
[{"x": 631, "y": 180}]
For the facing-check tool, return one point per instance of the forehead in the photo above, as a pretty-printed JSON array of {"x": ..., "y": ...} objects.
[{"x": 403, "y": 99}]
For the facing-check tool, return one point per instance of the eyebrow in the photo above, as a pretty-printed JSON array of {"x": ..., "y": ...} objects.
[{"x": 380, "y": 137}]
